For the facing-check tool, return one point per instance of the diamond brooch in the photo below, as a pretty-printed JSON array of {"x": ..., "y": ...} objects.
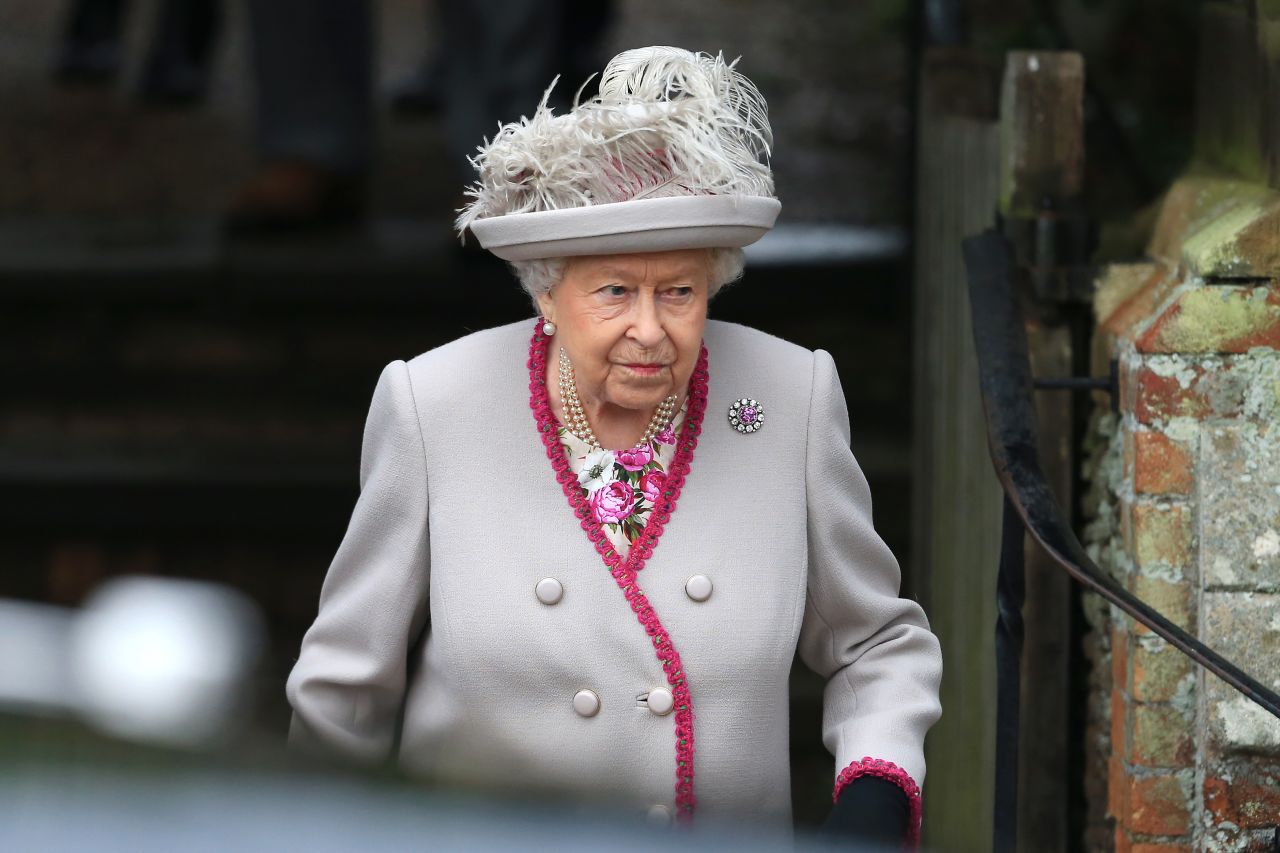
[{"x": 746, "y": 415}]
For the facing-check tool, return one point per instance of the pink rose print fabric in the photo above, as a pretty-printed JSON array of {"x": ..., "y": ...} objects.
[
  {"x": 635, "y": 458},
  {"x": 613, "y": 503},
  {"x": 651, "y": 484},
  {"x": 622, "y": 486}
]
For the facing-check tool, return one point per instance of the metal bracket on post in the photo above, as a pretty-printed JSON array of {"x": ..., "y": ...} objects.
[
  {"x": 1109, "y": 384},
  {"x": 1053, "y": 247}
]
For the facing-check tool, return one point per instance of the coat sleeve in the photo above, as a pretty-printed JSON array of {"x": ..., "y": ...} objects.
[
  {"x": 347, "y": 687},
  {"x": 882, "y": 664}
]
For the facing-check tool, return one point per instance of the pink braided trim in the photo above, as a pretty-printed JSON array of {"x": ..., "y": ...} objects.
[
  {"x": 895, "y": 774},
  {"x": 625, "y": 571}
]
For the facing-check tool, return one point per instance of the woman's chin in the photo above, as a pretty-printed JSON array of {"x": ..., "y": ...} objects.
[{"x": 643, "y": 399}]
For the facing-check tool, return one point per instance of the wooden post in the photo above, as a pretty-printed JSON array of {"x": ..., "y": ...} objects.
[
  {"x": 1042, "y": 171},
  {"x": 1230, "y": 128},
  {"x": 1041, "y": 131},
  {"x": 1267, "y": 20},
  {"x": 956, "y": 501}
]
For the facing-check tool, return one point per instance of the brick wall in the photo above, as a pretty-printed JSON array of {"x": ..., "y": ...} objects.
[{"x": 1186, "y": 512}]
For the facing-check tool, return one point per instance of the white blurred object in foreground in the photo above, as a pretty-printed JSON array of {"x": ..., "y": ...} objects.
[{"x": 150, "y": 659}]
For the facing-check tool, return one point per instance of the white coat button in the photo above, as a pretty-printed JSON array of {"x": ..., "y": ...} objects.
[
  {"x": 698, "y": 587},
  {"x": 661, "y": 701},
  {"x": 659, "y": 815},
  {"x": 586, "y": 703},
  {"x": 549, "y": 591}
]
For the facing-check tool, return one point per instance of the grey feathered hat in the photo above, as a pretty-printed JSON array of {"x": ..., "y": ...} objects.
[{"x": 671, "y": 154}]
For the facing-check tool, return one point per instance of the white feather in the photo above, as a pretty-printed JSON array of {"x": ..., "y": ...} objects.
[{"x": 666, "y": 122}]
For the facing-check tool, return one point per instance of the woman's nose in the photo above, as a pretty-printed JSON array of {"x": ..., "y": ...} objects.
[{"x": 646, "y": 325}]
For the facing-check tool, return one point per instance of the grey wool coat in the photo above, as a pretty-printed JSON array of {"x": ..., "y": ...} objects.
[{"x": 432, "y": 648}]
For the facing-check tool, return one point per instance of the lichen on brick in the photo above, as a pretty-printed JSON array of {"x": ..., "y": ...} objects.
[
  {"x": 1246, "y": 725},
  {"x": 1217, "y": 319},
  {"x": 1103, "y": 472},
  {"x": 1262, "y": 387},
  {"x": 1162, "y": 539},
  {"x": 1185, "y": 430},
  {"x": 1162, "y": 673},
  {"x": 1184, "y": 509},
  {"x": 1172, "y": 367},
  {"x": 1161, "y": 736},
  {"x": 1240, "y": 507},
  {"x": 1242, "y": 626},
  {"x": 1232, "y": 234}
]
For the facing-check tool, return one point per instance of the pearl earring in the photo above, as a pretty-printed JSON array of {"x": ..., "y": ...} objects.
[{"x": 548, "y": 328}]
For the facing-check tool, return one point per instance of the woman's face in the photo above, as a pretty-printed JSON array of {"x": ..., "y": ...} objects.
[{"x": 631, "y": 324}]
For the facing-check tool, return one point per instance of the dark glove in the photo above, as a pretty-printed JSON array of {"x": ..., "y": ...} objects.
[{"x": 871, "y": 811}]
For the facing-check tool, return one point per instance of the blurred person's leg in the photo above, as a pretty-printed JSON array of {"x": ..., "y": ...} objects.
[
  {"x": 90, "y": 48},
  {"x": 576, "y": 45},
  {"x": 313, "y": 64},
  {"x": 500, "y": 56},
  {"x": 177, "y": 68},
  {"x": 586, "y": 24}
]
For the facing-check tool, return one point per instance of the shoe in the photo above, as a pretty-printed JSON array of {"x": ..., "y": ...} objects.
[{"x": 294, "y": 196}]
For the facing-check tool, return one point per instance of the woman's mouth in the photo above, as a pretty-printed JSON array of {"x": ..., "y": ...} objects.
[{"x": 645, "y": 368}]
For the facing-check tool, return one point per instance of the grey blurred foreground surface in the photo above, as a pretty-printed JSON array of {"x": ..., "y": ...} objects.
[
  {"x": 51, "y": 809},
  {"x": 120, "y": 719}
]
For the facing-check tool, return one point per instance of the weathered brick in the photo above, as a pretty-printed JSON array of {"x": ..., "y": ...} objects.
[
  {"x": 1127, "y": 453},
  {"x": 1245, "y": 628},
  {"x": 1128, "y": 294},
  {"x": 1250, "y": 803},
  {"x": 1157, "y": 390},
  {"x": 1161, "y": 737},
  {"x": 1158, "y": 806},
  {"x": 1119, "y": 659},
  {"x": 1216, "y": 319},
  {"x": 1117, "y": 786},
  {"x": 1117, "y": 774},
  {"x": 1160, "y": 464},
  {"x": 1153, "y": 396},
  {"x": 1173, "y": 599},
  {"x": 1161, "y": 535},
  {"x": 1217, "y": 226},
  {"x": 1159, "y": 670},
  {"x": 1160, "y": 847},
  {"x": 1126, "y": 525},
  {"x": 1123, "y": 843},
  {"x": 1239, "y": 506},
  {"x": 1260, "y": 842},
  {"x": 1119, "y": 723}
]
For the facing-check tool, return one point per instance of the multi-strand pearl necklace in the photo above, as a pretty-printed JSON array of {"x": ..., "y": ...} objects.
[{"x": 577, "y": 418}]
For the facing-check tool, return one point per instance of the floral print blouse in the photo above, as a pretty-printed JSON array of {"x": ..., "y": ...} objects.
[{"x": 622, "y": 485}]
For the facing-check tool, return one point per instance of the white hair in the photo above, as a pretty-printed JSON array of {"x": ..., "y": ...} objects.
[
  {"x": 539, "y": 276},
  {"x": 667, "y": 122}
]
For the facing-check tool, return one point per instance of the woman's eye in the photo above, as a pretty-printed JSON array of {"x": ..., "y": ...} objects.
[
  {"x": 615, "y": 290},
  {"x": 680, "y": 292}
]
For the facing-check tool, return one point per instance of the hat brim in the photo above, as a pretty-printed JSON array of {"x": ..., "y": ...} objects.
[{"x": 643, "y": 225}]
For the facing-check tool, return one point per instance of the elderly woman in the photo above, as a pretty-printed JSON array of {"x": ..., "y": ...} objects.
[{"x": 588, "y": 547}]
